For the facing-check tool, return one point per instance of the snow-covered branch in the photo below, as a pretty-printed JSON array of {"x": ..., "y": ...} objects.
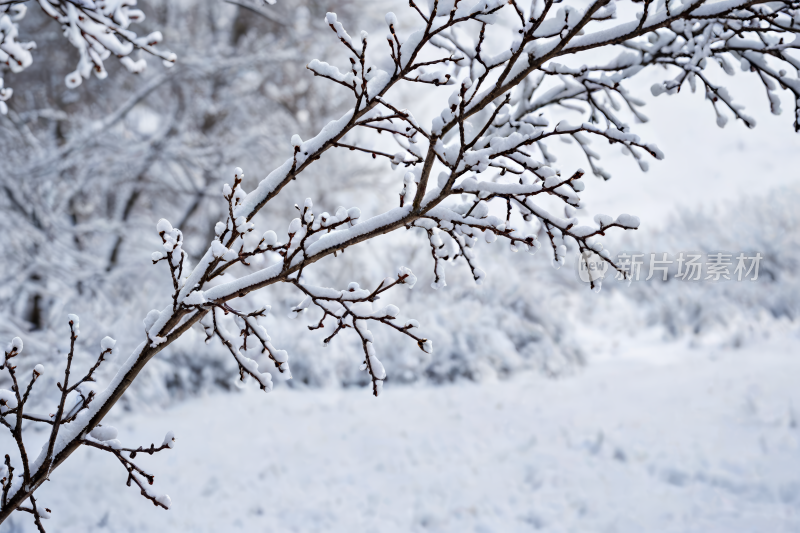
[
  {"x": 74, "y": 401},
  {"x": 97, "y": 29},
  {"x": 484, "y": 170}
]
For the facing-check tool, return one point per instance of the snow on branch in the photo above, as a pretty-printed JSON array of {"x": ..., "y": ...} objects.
[
  {"x": 485, "y": 169},
  {"x": 352, "y": 308},
  {"x": 75, "y": 399},
  {"x": 96, "y": 28}
]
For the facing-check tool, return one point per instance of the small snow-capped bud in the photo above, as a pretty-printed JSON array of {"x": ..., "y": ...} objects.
[
  {"x": 296, "y": 141},
  {"x": 134, "y": 67},
  {"x": 391, "y": 19},
  {"x": 270, "y": 238},
  {"x": 8, "y": 400},
  {"x": 410, "y": 279},
  {"x": 169, "y": 440},
  {"x": 294, "y": 226},
  {"x": 226, "y": 190},
  {"x": 353, "y": 286},
  {"x": 170, "y": 60},
  {"x": 354, "y": 213},
  {"x": 308, "y": 203},
  {"x": 398, "y": 159},
  {"x": 73, "y": 80},
  {"x": 628, "y": 221},
  {"x": 164, "y": 226},
  {"x": 107, "y": 343},
  {"x": 218, "y": 249},
  {"x": 157, "y": 256},
  {"x": 14, "y": 346},
  {"x": 603, "y": 220},
  {"x": 426, "y": 346},
  {"x": 104, "y": 433},
  {"x": 38, "y": 370},
  {"x": 238, "y": 172},
  {"x": 164, "y": 500},
  {"x": 219, "y": 227},
  {"x": 75, "y": 322},
  {"x": 490, "y": 236},
  {"x": 389, "y": 311}
]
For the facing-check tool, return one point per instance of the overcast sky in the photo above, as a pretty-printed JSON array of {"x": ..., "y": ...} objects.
[{"x": 704, "y": 164}]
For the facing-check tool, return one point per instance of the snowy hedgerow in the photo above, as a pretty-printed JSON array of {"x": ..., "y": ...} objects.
[{"x": 483, "y": 171}]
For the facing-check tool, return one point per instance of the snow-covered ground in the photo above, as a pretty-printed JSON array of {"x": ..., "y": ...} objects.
[{"x": 648, "y": 437}]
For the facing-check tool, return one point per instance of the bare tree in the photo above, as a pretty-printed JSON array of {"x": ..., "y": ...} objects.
[{"x": 482, "y": 171}]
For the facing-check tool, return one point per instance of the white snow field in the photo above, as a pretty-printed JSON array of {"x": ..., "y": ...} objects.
[{"x": 649, "y": 437}]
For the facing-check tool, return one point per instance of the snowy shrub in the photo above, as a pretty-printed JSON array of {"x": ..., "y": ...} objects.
[
  {"x": 725, "y": 311},
  {"x": 483, "y": 171}
]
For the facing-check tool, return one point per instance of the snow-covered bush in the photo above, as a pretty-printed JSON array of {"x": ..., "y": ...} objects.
[
  {"x": 732, "y": 311},
  {"x": 484, "y": 170}
]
